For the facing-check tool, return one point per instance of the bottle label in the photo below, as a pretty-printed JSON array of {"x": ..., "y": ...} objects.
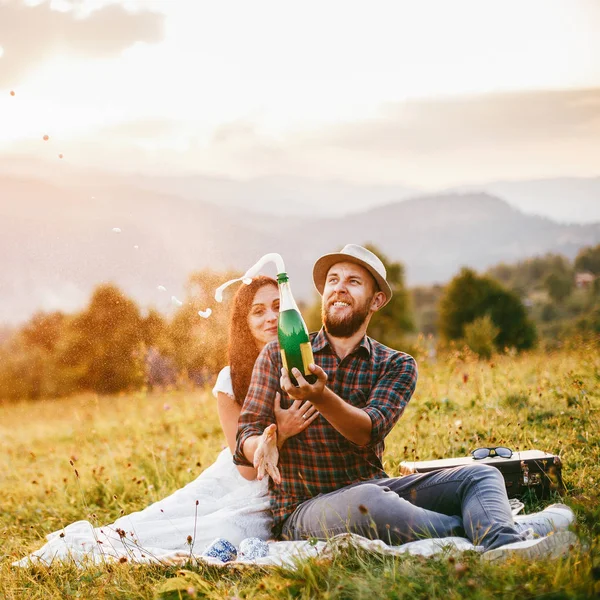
[{"x": 307, "y": 357}]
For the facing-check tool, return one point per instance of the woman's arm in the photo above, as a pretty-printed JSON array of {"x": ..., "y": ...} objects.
[{"x": 229, "y": 412}]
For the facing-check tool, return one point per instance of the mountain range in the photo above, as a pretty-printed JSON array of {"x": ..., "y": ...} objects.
[
  {"x": 562, "y": 199},
  {"x": 59, "y": 242}
]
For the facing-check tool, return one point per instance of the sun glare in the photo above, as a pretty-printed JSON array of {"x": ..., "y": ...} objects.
[{"x": 291, "y": 74}]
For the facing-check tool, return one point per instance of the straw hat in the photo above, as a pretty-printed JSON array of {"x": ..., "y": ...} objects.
[{"x": 354, "y": 254}]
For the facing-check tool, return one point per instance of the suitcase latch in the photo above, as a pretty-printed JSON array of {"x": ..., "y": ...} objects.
[
  {"x": 530, "y": 480},
  {"x": 525, "y": 470}
]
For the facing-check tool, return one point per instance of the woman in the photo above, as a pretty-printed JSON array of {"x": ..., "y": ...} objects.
[{"x": 225, "y": 500}]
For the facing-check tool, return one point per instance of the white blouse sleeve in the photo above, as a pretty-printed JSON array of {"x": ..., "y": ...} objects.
[{"x": 224, "y": 383}]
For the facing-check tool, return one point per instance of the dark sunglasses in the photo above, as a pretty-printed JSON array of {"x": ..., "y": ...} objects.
[{"x": 500, "y": 451}]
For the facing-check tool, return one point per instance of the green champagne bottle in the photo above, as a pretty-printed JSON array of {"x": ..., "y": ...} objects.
[{"x": 294, "y": 341}]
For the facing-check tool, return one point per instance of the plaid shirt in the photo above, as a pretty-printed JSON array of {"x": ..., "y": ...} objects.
[{"x": 319, "y": 460}]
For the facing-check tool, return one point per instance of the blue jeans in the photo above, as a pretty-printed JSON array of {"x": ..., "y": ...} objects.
[{"x": 466, "y": 501}]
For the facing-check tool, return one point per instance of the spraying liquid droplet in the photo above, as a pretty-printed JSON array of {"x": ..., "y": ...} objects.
[
  {"x": 205, "y": 313},
  {"x": 161, "y": 288},
  {"x": 251, "y": 272},
  {"x": 116, "y": 230},
  {"x": 176, "y": 302}
]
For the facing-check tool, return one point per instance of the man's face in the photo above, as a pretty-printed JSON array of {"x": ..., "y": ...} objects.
[{"x": 347, "y": 299}]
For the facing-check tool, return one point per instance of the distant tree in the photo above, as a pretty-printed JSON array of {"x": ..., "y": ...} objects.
[
  {"x": 425, "y": 301},
  {"x": 470, "y": 296},
  {"x": 102, "y": 352},
  {"x": 588, "y": 259},
  {"x": 530, "y": 274},
  {"x": 391, "y": 324},
  {"x": 548, "y": 313},
  {"x": 590, "y": 323},
  {"x": 559, "y": 286},
  {"x": 159, "y": 366},
  {"x": 26, "y": 372},
  {"x": 311, "y": 313},
  {"x": 44, "y": 330},
  {"x": 34, "y": 356},
  {"x": 199, "y": 344},
  {"x": 480, "y": 335},
  {"x": 155, "y": 332}
]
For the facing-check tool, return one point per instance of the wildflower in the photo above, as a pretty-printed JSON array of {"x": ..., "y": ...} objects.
[
  {"x": 189, "y": 540},
  {"x": 123, "y": 559}
]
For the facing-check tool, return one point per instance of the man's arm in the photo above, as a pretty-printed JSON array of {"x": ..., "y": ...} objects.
[
  {"x": 361, "y": 426},
  {"x": 353, "y": 423}
]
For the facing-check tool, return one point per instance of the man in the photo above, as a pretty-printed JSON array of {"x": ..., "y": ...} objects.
[{"x": 332, "y": 477}]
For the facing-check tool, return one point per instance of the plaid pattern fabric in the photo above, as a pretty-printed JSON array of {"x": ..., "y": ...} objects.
[{"x": 374, "y": 377}]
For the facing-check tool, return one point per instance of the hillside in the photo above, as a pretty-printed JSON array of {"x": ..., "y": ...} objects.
[{"x": 58, "y": 243}]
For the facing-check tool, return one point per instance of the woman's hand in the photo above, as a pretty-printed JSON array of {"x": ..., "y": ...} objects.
[
  {"x": 293, "y": 420},
  {"x": 266, "y": 455}
]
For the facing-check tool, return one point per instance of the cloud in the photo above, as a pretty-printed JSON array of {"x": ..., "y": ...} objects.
[
  {"x": 149, "y": 128},
  {"x": 435, "y": 126},
  {"x": 29, "y": 35},
  {"x": 428, "y": 143},
  {"x": 451, "y": 141}
]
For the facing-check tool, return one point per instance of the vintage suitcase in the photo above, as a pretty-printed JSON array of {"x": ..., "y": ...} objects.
[{"x": 529, "y": 471}]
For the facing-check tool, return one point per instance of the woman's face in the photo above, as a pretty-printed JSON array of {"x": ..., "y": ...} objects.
[{"x": 262, "y": 318}]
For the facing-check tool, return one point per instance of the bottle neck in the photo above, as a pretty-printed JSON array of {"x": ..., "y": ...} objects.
[{"x": 286, "y": 299}]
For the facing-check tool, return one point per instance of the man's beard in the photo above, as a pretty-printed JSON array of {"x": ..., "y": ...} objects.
[{"x": 346, "y": 326}]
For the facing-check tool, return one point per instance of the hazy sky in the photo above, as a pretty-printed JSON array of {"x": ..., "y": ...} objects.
[{"x": 422, "y": 92}]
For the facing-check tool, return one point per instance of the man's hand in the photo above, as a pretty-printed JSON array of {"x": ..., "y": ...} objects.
[
  {"x": 304, "y": 391},
  {"x": 266, "y": 455}
]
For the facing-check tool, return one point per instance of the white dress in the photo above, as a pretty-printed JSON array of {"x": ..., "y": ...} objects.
[{"x": 219, "y": 503}]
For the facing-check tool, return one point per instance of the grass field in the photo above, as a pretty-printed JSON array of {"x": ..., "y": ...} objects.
[{"x": 134, "y": 449}]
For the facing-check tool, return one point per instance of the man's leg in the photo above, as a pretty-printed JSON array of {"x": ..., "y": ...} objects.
[
  {"x": 371, "y": 510},
  {"x": 398, "y": 510},
  {"x": 475, "y": 492}
]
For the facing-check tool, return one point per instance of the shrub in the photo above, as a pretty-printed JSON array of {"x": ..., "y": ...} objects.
[{"x": 480, "y": 335}]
